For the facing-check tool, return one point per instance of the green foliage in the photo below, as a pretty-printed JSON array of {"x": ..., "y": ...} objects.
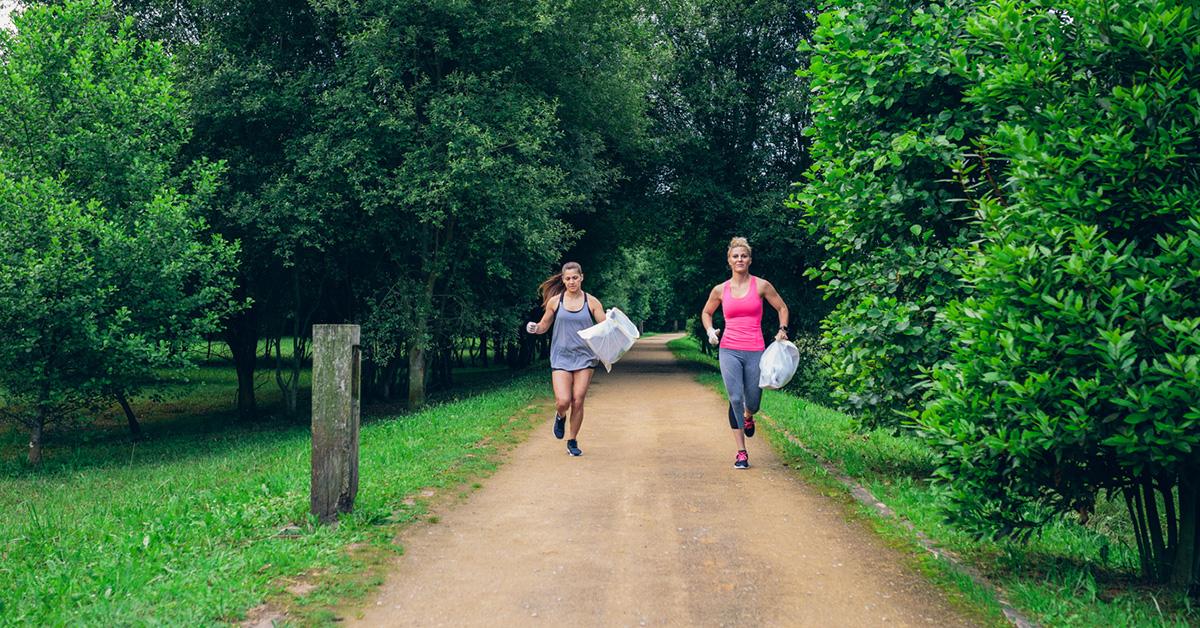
[
  {"x": 433, "y": 131},
  {"x": 414, "y": 166},
  {"x": 1076, "y": 366},
  {"x": 891, "y": 136},
  {"x": 639, "y": 282},
  {"x": 104, "y": 271},
  {"x": 729, "y": 116}
]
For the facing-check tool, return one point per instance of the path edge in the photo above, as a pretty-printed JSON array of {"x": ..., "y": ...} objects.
[{"x": 864, "y": 496}]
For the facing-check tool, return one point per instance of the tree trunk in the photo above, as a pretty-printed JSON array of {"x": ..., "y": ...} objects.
[
  {"x": 387, "y": 378},
  {"x": 241, "y": 334},
  {"x": 290, "y": 386},
  {"x": 483, "y": 349},
  {"x": 135, "y": 428},
  {"x": 526, "y": 353},
  {"x": 1183, "y": 571},
  {"x": 37, "y": 430},
  {"x": 448, "y": 371},
  {"x": 35, "y": 438},
  {"x": 1154, "y": 523},
  {"x": 1133, "y": 503},
  {"x": 416, "y": 376}
]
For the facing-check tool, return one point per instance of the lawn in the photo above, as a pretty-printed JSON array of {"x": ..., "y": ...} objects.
[{"x": 208, "y": 517}]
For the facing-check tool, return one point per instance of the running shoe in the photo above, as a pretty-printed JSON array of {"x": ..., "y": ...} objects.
[
  {"x": 560, "y": 426},
  {"x": 749, "y": 429},
  {"x": 743, "y": 460},
  {"x": 573, "y": 448}
]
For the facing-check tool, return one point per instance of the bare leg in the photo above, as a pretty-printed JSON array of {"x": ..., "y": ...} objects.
[
  {"x": 562, "y": 382},
  {"x": 578, "y": 395}
]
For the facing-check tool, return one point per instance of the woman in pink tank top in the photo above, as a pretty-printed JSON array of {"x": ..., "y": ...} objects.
[{"x": 741, "y": 302}]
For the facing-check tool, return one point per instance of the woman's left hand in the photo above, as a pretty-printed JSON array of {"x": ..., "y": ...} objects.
[{"x": 781, "y": 335}]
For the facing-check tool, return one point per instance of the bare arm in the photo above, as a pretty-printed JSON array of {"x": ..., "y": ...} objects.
[
  {"x": 781, "y": 308},
  {"x": 710, "y": 306},
  {"x": 543, "y": 325},
  {"x": 597, "y": 309}
]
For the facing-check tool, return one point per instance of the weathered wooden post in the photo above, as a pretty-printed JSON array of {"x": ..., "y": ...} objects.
[{"x": 335, "y": 400}]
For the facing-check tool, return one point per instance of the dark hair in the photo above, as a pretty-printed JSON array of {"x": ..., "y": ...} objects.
[{"x": 554, "y": 286}]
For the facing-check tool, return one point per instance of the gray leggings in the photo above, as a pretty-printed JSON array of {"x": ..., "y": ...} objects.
[{"x": 739, "y": 369}]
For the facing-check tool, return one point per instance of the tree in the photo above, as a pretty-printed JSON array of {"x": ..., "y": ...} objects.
[
  {"x": 454, "y": 139},
  {"x": 640, "y": 285},
  {"x": 320, "y": 107},
  {"x": 729, "y": 115},
  {"x": 893, "y": 159},
  {"x": 107, "y": 275},
  {"x": 1076, "y": 366}
]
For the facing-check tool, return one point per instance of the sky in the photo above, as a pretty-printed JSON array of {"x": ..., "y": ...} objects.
[{"x": 6, "y": 7}]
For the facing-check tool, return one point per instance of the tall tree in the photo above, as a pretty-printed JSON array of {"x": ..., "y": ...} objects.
[
  {"x": 106, "y": 272},
  {"x": 452, "y": 153},
  {"x": 256, "y": 71},
  {"x": 729, "y": 114}
]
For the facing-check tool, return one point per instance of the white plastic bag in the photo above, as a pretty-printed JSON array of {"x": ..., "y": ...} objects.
[
  {"x": 778, "y": 364},
  {"x": 610, "y": 338}
]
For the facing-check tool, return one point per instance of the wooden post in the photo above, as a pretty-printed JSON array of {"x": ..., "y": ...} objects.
[{"x": 335, "y": 401}]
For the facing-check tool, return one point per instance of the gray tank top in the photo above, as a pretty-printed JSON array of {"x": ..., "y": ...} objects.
[{"x": 568, "y": 352}]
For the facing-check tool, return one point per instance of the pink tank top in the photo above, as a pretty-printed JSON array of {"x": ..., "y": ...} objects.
[{"x": 743, "y": 319}]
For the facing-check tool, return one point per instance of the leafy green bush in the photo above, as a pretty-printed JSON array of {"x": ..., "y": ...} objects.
[
  {"x": 1077, "y": 362},
  {"x": 891, "y": 134},
  {"x": 105, "y": 271},
  {"x": 812, "y": 380}
]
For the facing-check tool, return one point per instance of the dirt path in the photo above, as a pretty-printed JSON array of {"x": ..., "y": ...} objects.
[{"x": 650, "y": 527}]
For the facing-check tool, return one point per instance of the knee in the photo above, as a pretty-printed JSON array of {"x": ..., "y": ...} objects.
[
  {"x": 563, "y": 403},
  {"x": 577, "y": 401}
]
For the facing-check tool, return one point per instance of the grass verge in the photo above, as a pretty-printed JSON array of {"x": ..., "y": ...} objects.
[
  {"x": 1069, "y": 575},
  {"x": 199, "y": 524}
]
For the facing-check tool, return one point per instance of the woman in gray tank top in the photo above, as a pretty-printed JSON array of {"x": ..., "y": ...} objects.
[{"x": 568, "y": 309}]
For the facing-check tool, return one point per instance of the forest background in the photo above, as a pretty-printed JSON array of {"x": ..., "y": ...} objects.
[{"x": 983, "y": 215}]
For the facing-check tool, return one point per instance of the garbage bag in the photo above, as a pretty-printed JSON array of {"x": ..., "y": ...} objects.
[
  {"x": 610, "y": 338},
  {"x": 778, "y": 364}
]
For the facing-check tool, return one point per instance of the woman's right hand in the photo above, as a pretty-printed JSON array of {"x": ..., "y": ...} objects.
[
  {"x": 713, "y": 337},
  {"x": 531, "y": 328}
]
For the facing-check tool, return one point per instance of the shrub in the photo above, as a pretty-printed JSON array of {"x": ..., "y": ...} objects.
[
  {"x": 1077, "y": 362},
  {"x": 891, "y": 134}
]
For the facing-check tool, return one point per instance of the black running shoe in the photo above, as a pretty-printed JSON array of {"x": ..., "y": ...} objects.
[
  {"x": 573, "y": 448},
  {"x": 742, "y": 461},
  {"x": 749, "y": 429},
  {"x": 560, "y": 426}
]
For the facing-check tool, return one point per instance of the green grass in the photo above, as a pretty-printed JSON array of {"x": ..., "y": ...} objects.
[
  {"x": 1069, "y": 575},
  {"x": 209, "y": 517}
]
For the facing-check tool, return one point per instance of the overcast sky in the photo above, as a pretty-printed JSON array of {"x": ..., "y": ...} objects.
[{"x": 5, "y": 7}]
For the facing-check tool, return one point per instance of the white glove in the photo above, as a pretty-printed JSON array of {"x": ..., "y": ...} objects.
[
  {"x": 713, "y": 339},
  {"x": 531, "y": 328}
]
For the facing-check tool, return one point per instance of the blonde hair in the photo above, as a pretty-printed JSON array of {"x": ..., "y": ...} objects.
[
  {"x": 554, "y": 286},
  {"x": 739, "y": 243}
]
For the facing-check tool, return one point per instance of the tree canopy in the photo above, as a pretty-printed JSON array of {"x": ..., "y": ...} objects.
[{"x": 107, "y": 271}]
